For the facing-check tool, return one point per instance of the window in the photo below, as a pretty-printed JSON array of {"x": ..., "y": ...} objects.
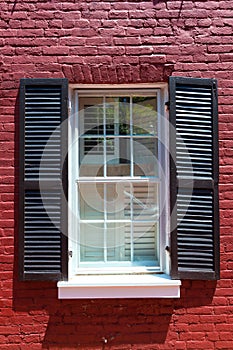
[
  {"x": 115, "y": 141},
  {"x": 120, "y": 182}
]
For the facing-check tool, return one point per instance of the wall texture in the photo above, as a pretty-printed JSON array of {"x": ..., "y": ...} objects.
[{"x": 113, "y": 42}]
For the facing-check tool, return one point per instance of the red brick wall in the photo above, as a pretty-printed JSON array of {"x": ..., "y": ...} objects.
[{"x": 113, "y": 42}]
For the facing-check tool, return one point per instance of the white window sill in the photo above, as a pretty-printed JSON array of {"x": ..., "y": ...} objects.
[{"x": 119, "y": 286}]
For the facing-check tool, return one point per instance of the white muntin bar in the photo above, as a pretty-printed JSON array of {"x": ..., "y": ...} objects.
[
  {"x": 131, "y": 226},
  {"x": 112, "y": 179},
  {"x": 105, "y": 222},
  {"x": 105, "y": 146},
  {"x": 131, "y": 138},
  {"x": 105, "y": 175}
]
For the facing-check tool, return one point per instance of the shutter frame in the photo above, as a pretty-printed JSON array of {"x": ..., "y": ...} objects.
[
  {"x": 199, "y": 184},
  {"x": 55, "y": 186}
]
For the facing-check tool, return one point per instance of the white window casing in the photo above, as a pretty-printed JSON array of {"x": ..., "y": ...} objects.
[{"x": 122, "y": 279}]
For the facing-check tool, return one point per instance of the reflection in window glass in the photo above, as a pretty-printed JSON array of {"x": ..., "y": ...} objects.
[
  {"x": 91, "y": 115},
  {"x": 117, "y": 115},
  {"x": 145, "y": 156},
  {"x": 91, "y": 201},
  {"x": 144, "y": 115},
  {"x": 91, "y": 156},
  {"x": 118, "y": 163},
  {"x": 118, "y": 192},
  {"x": 91, "y": 242}
]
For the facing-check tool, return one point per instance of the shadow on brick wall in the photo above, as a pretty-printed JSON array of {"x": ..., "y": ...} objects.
[{"x": 108, "y": 323}]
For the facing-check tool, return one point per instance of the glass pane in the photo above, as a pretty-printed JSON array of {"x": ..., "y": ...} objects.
[
  {"x": 145, "y": 242},
  {"x": 91, "y": 116},
  {"x": 144, "y": 115},
  {"x": 91, "y": 155},
  {"x": 145, "y": 201},
  {"x": 116, "y": 242},
  {"x": 118, "y": 162},
  {"x": 118, "y": 201},
  {"x": 145, "y": 153},
  {"x": 91, "y": 242},
  {"x": 91, "y": 201},
  {"x": 117, "y": 115}
]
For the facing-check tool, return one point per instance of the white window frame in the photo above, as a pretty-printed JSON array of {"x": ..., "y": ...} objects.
[{"x": 117, "y": 282}]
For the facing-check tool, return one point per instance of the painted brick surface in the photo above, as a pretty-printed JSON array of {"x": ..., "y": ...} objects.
[{"x": 113, "y": 42}]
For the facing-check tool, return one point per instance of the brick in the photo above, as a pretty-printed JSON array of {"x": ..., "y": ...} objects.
[
  {"x": 128, "y": 41},
  {"x": 195, "y": 336},
  {"x": 56, "y": 50},
  {"x": 112, "y": 32},
  {"x": 99, "y": 41},
  {"x": 118, "y": 14},
  {"x": 222, "y": 344},
  {"x": 3, "y": 339},
  {"x": 10, "y": 347},
  {"x": 141, "y": 31},
  {"x": 119, "y": 50},
  {"x": 113, "y": 43},
  {"x": 142, "y": 50},
  {"x": 226, "y": 336},
  {"x": 142, "y": 14},
  {"x": 32, "y": 338},
  {"x": 5, "y": 330},
  {"x": 71, "y": 41},
  {"x": 200, "y": 345},
  {"x": 212, "y": 336},
  {"x": 83, "y": 50}
]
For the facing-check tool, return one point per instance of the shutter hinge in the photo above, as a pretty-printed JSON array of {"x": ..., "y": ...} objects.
[
  {"x": 70, "y": 253},
  {"x": 215, "y": 88},
  {"x": 168, "y": 250}
]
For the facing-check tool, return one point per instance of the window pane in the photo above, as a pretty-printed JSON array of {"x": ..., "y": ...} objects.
[
  {"x": 145, "y": 242},
  {"x": 116, "y": 242},
  {"x": 118, "y": 201},
  {"x": 91, "y": 115},
  {"x": 145, "y": 153},
  {"x": 91, "y": 154},
  {"x": 144, "y": 115},
  {"x": 145, "y": 201},
  {"x": 91, "y": 201},
  {"x": 118, "y": 162},
  {"x": 91, "y": 242},
  {"x": 117, "y": 115}
]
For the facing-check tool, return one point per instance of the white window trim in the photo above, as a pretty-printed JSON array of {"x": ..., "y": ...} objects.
[{"x": 114, "y": 283}]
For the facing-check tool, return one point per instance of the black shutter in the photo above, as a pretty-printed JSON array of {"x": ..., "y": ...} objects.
[
  {"x": 194, "y": 178},
  {"x": 43, "y": 179}
]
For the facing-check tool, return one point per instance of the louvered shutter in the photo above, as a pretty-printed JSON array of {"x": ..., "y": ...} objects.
[
  {"x": 194, "y": 178},
  {"x": 43, "y": 179}
]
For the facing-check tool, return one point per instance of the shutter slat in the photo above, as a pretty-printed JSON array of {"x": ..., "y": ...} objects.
[
  {"x": 43, "y": 217},
  {"x": 34, "y": 210},
  {"x": 194, "y": 156},
  {"x": 46, "y": 101}
]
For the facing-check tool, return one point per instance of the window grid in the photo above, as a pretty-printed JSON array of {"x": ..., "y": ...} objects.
[{"x": 133, "y": 179}]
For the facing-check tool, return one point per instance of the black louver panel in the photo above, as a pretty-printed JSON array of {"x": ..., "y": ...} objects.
[
  {"x": 194, "y": 178},
  {"x": 194, "y": 131},
  {"x": 43, "y": 244},
  {"x": 42, "y": 132},
  {"x": 195, "y": 229},
  {"x": 42, "y": 251}
]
